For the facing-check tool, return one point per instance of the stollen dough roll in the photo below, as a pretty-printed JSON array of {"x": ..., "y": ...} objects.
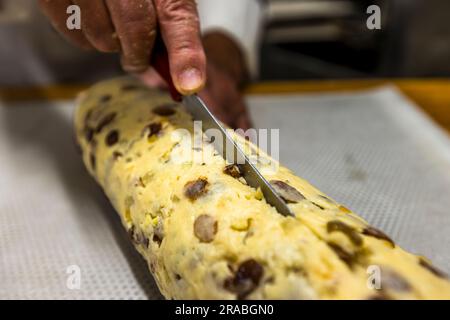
[{"x": 206, "y": 234}]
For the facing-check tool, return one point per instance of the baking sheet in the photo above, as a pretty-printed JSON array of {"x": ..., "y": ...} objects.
[{"x": 373, "y": 151}]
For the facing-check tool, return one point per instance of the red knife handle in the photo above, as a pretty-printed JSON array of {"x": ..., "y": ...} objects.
[{"x": 160, "y": 61}]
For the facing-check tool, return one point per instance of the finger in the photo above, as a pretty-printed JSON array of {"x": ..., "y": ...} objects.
[
  {"x": 243, "y": 122},
  {"x": 152, "y": 79},
  {"x": 216, "y": 107},
  {"x": 97, "y": 26},
  {"x": 135, "y": 24},
  {"x": 180, "y": 30},
  {"x": 56, "y": 11},
  {"x": 241, "y": 118}
]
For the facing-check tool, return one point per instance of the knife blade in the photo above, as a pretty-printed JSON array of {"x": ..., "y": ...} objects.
[{"x": 200, "y": 112}]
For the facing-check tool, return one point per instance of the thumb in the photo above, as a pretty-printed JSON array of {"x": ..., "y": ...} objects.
[{"x": 180, "y": 30}]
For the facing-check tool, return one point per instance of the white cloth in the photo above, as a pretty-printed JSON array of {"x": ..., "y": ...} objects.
[{"x": 240, "y": 18}]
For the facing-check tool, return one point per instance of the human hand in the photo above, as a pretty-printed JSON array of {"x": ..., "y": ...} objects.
[
  {"x": 226, "y": 74},
  {"x": 225, "y": 99},
  {"x": 130, "y": 27}
]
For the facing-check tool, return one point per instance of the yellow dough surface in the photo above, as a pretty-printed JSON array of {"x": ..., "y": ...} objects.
[{"x": 206, "y": 234}]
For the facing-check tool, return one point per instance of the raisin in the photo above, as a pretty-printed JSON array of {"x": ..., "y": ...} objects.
[
  {"x": 372, "y": 232},
  {"x": 146, "y": 242},
  {"x": 318, "y": 206},
  {"x": 138, "y": 237},
  {"x": 205, "y": 228},
  {"x": 432, "y": 269},
  {"x": 345, "y": 256},
  {"x": 286, "y": 192},
  {"x": 140, "y": 183},
  {"x": 165, "y": 110},
  {"x": 245, "y": 279},
  {"x": 129, "y": 87},
  {"x": 349, "y": 231},
  {"x": 195, "y": 189},
  {"x": 106, "y": 120},
  {"x": 88, "y": 116},
  {"x": 233, "y": 170},
  {"x": 153, "y": 129},
  {"x": 93, "y": 160},
  {"x": 157, "y": 239},
  {"x": 112, "y": 138},
  {"x": 105, "y": 98},
  {"x": 117, "y": 155},
  {"x": 158, "y": 233},
  {"x": 88, "y": 134}
]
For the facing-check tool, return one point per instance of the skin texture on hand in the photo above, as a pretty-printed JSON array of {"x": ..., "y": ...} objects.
[
  {"x": 222, "y": 50},
  {"x": 130, "y": 27},
  {"x": 223, "y": 95},
  {"x": 226, "y": 74}
]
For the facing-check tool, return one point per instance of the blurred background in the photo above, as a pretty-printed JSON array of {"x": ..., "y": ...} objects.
[
  {"x": 330, "y": 39},
  {"x": 302, "y": 39}
]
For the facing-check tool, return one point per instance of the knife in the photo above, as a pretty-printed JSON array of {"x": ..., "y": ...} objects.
[{"x": 200, "y": 112}]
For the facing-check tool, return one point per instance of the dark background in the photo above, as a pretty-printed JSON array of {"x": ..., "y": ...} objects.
[
  {"x": 334, "y": 42},
  {"x": 302, "y": 39}
]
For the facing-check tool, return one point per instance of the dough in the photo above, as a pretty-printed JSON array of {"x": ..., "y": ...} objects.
[{"x": 207, "y": 235}]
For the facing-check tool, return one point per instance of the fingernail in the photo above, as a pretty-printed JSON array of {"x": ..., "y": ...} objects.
[{"x": 190, "y": 80}]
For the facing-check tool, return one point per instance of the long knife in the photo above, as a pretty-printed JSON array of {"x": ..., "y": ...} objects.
[{"x": 200, "y": 112}]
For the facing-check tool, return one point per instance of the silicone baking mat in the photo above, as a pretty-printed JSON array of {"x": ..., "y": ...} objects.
[{"x": 373, "y": 151}]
